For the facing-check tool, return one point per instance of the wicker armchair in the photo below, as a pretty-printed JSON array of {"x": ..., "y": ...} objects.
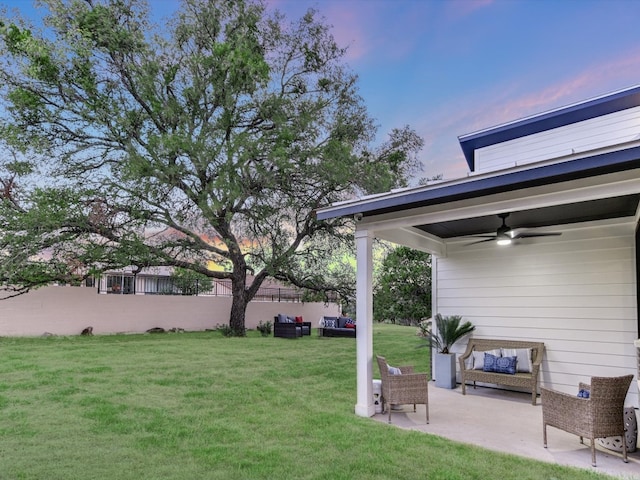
[
  {"x": 600, "y": 415},
  {"x": 408, "y": 387}
]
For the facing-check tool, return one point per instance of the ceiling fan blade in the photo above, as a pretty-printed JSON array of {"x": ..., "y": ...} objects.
[
  {"x": 487, "y": 239},
  {"x": 532, "y": 235}
]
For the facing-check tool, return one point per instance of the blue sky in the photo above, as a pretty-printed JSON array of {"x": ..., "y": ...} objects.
[{"x": 447, "y": 68}]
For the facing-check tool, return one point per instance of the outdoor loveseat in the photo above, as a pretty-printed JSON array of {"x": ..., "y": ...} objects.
[
  {"x": 337, "y": 327},
  {"x": 527, "y": 367}
]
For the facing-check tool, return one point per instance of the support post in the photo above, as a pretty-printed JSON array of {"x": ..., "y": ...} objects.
[{"x": 364, "y": 315}]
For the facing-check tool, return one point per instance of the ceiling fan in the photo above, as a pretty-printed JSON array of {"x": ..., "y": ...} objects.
[{"x": 505, "y": 234}]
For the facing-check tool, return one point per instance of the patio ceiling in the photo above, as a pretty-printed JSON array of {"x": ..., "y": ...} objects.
[
  {"x": 586, "y": 211},
  {"x": 604, "y": 187}
]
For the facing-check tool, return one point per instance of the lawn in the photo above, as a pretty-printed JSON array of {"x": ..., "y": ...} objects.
[{"x": 202, "y": 406}]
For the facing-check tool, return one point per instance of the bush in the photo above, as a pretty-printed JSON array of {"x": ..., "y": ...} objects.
[
  {"x": 264, "y": 328},
  {"x": 226, "y": 330},
  {"x": 424, "y": 327}
]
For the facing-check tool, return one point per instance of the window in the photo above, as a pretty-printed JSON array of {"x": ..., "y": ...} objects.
[{"x": 120, "y": 284}]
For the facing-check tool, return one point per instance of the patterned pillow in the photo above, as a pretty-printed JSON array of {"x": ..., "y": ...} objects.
[
  {"x": 330, "y": 322},
  {"x": 478, "y": 358},
  {"x": 524, "y": 358},
  {"x": 489, "y": 364},
  {"x": 507, "y": 365},
  {"x": 500, "y": 364}
]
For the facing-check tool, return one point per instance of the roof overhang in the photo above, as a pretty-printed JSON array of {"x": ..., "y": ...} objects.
[
  {"x": 489, "y": 184},
  {"x": 594, "y": 189}
]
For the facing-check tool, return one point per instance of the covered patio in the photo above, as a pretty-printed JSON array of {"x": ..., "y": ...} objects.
[
  {"x": 506, "y": 422},
  {"x": 562, "y": 190}
]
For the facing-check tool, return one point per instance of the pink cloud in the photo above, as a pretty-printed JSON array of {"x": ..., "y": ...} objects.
[
  {"x": 598, "y": 79},
  {"x": 350, "y": 28},
  {"x": 504, "y": 103}
]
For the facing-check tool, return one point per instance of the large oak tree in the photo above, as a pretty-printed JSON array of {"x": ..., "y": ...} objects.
[{"x": 212, "y": 137}]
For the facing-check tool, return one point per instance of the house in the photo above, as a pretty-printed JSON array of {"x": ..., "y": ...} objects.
[
  {"x": 159, "y": 281},
  {"x": 573, "y": 174}
]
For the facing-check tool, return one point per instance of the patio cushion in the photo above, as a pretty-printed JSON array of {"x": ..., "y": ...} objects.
[
  {"x": 478, "y": 357},
  {"x": 394, "y": 370},
  {"x": 342, "y": 322},
  {"x": 330, "y": 322},
  {"x": 500, "y": 364},
  {"x": 524, "y": 358}
]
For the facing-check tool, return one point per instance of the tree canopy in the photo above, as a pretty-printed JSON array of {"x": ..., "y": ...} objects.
[
  {"x": 403, "y": 291},
  {"x": 211, "y": 138}
]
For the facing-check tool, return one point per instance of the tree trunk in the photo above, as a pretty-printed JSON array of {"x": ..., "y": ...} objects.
[{"x": 238, "y": 306}]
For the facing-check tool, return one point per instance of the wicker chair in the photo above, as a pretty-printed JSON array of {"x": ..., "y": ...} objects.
[
  {"x": 408, "y": 387},
  {"x": 600, "y": 415}
]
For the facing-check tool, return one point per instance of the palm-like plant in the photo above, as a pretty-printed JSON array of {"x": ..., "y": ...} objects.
[{"x": 449, "y": 331}]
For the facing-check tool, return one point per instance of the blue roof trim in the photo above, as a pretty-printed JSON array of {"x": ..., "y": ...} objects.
[
  {"x": 602, "y": 164},
  {"x": 547, "y": 121}
]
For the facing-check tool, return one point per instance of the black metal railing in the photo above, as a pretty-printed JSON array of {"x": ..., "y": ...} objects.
[{"x": 217, "y": 288}]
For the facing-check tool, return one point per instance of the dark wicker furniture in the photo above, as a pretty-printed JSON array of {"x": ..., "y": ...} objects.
[
  {"x": 340, "y": 330},
  {"x": 407, "y": 388},
  {"x": 600, "y": 415},
  {"x": 287, "y": 327},
  {"x": 287, "y": 330},
  {"x": 528, "y": 380}
]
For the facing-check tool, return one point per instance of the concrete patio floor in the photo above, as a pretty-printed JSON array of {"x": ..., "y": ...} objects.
[{"x": 507, "y": 422}]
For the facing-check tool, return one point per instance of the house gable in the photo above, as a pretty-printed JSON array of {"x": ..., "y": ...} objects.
[{"x": 569, "y": 132}]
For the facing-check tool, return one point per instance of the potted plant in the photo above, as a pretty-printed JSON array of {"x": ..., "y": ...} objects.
[{"x": 449, "y": 330}]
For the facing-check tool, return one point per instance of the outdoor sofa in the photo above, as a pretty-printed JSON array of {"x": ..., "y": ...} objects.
[{"x": 337, "y": 327}]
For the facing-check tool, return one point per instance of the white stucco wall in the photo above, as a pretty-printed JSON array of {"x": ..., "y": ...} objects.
[
  {"x": 575, "y": 293},
  {"x": 68, "y": 310}
]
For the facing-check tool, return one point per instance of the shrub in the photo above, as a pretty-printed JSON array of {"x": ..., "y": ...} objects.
[
  {"x": 226, "y": 330},
  {"x": 264, "y": 328}
]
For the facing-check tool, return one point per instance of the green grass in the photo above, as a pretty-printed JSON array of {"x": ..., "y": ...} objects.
[{"x": 201, "y": 406}]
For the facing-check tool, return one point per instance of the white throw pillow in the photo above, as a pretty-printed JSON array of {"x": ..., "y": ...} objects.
[
  {"x": 394, "y": 370},
  {"x": 524, "y": 358},
  {"x": 478, "y": 357},
  {"x": 468, "y": 362}
]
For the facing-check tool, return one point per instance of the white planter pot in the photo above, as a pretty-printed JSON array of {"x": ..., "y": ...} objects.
[{"x": 445, "y": 370}]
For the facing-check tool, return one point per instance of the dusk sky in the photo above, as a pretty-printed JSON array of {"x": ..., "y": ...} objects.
[{"x": 448, "y": 68}]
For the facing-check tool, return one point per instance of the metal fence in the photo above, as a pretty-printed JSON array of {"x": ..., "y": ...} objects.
[
  {"x": 163, "y": 285},
  {"x": 222, "y": 288}
]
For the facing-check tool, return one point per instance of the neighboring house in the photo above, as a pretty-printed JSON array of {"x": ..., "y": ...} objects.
[
  {"x": 573, "y": 171},
  {"x": 158, "y": 281}
]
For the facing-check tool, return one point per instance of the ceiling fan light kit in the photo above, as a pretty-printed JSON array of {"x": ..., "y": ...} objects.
[{"x": 503, "y": 241}]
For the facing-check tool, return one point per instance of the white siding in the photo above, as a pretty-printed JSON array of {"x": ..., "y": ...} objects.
[
  {"x": 567, "y": 142},
  {"x": 575, "y": 293}
]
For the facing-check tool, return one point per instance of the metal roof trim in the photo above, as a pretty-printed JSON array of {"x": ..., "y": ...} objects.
[{"x": 471, "y": 187}]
